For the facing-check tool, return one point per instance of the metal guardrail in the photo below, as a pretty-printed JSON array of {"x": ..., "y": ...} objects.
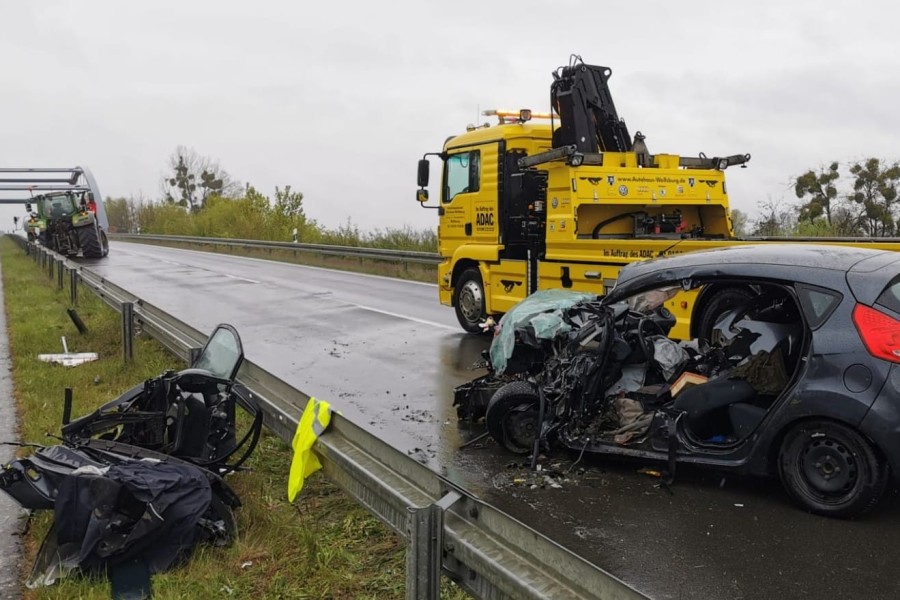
[
  {"x": 401, "y": 256},
  {"x": 448, "y": 531}
]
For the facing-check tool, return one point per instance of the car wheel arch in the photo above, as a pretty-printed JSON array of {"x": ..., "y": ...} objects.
[
  {"x": 775, "y": 443},
  {"x": 460, "y": 267}
]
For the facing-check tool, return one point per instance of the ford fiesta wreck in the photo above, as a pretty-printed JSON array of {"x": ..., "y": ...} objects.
[{"x": 796, "y": 376}]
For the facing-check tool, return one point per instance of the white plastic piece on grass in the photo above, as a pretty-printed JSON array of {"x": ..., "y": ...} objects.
[{"x": 69, "y": 359}]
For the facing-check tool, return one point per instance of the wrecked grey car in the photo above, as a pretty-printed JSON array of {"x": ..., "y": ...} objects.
[
  {"x": 797, "y": 377},
  {"x": 136, "y": 484}
]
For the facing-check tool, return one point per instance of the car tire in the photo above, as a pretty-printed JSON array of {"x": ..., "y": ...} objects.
[
  {"x": 468, "y": 300},
  {"x": 831, "y": 469},
  {"x": 717, "y": 304},
  {"x": 512, "y": 417}
]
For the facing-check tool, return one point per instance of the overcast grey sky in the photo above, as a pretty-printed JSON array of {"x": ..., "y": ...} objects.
[{"x": 340, "y": 99}]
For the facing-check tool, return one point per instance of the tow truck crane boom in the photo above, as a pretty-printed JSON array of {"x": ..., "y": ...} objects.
[{"x": 588, "y": 117}]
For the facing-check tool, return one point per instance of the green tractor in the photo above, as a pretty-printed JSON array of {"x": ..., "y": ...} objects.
[{"x": 66, "y": 222}]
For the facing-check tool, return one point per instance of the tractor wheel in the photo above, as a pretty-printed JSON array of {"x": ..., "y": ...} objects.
[
  {"x": 104, "y": 242},
  {"x": 90, "y": 241}
]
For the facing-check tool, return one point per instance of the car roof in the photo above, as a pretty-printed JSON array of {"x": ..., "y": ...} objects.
[{"x": 815, "y": 264}]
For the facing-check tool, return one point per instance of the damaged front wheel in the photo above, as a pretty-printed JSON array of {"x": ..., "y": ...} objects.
[{"x": 512, "y": 417}]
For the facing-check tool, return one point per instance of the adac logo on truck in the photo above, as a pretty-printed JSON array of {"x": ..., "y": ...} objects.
[{"x": 484, "y": 218}]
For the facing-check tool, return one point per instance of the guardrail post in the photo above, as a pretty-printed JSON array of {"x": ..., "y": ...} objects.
[
  {"x": 60, "y": 272},
  {"x": 73, "y": 285},
  {"x": 426, "y": 547},
  {"x": 51, "y": 266},
  {"x": 127, "y": 331}
]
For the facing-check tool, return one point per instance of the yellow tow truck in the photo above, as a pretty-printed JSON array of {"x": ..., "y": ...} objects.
[{"x": 568, "y": 201}]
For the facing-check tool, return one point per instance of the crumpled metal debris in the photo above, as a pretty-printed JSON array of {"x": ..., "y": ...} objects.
[{"x": 543, "y": 312}]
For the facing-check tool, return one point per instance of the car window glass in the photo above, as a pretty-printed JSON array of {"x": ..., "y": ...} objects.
[
  {"x": 221, "y": 354},
  {"x": 462, "y": 174},
  {"x": 890, "y": 297},
  {"x": 817, "y": 303}
]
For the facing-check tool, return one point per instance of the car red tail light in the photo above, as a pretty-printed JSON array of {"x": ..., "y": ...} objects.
[{"x": 879, "y": 332}]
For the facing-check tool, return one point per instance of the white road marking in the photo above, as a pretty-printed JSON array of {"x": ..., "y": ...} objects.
[
  {"x": 241, "y": 278},
  {"x": 407, "y": 317}
]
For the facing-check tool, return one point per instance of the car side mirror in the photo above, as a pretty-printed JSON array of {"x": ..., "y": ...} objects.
[
  {"x": 424, "y": 169},
  {"x": 422, "y": 195}
]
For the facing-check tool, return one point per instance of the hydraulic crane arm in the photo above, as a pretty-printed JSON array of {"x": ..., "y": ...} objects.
[{"x": 588, "y": 117}]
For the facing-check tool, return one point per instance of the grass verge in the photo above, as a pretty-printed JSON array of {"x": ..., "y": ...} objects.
[{"x": 322, "y": 546}]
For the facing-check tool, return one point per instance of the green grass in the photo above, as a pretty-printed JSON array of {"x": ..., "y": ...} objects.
[{"x": 322, "y": 546}]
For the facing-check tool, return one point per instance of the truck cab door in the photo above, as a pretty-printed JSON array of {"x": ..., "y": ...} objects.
[{"x": 469, "y": 198}]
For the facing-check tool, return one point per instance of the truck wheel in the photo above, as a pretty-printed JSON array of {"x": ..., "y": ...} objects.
[
  {"x": 89, "y": 238},
  {"x": 717, "y": 305},
  {"x": 832, "y": 470},
  {"x": 512, "y": 417},
  {"x": 468, "y": 300}
]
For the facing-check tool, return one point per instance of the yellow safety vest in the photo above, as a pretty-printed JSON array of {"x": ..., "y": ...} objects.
[{"x": 316, "y": 417}]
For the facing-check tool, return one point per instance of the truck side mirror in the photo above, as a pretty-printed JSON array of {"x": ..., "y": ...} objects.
[
  {"x": 424, "y": 167},
  {"x": 422, "y": 195}
]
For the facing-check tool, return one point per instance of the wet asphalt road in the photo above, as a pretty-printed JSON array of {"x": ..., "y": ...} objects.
[{"x": 388, "y": 355}]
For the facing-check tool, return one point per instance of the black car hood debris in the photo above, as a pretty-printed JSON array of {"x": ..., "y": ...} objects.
[
  {"x": 150, "y": 509},
  {"x": 135, "y": 485}
]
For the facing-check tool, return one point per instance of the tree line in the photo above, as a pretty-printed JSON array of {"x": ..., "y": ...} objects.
[
  {"x": 858, "y": 199},
  {"x": 199, "y": 198}
]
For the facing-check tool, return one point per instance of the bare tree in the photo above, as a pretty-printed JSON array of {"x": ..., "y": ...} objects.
[
  {"x": 192, "y": 178},
  {"x": 776, "y": 219},
  {"x": 739, "y": 222}
]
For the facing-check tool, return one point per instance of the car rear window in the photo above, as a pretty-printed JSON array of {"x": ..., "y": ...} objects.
[
  {"x": 890, "y": 297},
  {"x": 817, "y": 303}
]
